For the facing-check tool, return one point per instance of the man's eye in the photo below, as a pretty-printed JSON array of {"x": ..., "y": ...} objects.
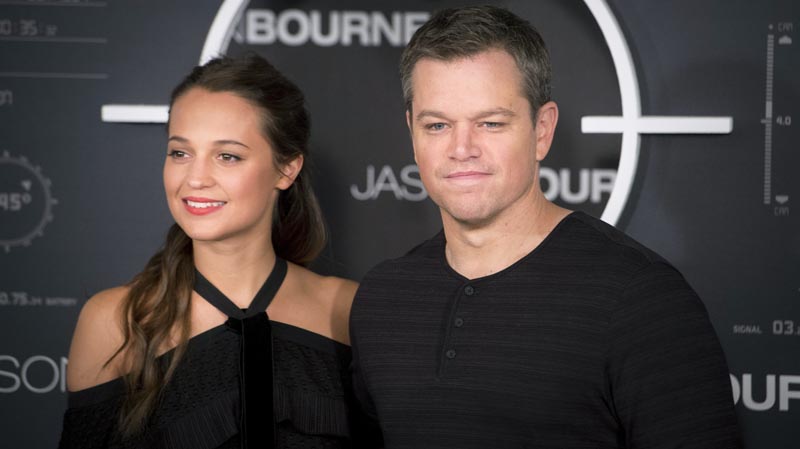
[
  {"x": 493, "y": 125},
  {"x": 435, "y": 126}
]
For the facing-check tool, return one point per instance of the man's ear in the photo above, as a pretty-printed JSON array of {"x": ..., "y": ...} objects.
[
  {"x": 546, "y": 121},
  {"x": 289, "y": 172}
]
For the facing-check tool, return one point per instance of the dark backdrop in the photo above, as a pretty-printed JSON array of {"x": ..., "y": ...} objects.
[{"x": 82, "y": 207}]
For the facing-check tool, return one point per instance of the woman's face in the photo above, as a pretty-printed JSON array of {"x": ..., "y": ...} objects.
[{"x": 219, "y": 176}]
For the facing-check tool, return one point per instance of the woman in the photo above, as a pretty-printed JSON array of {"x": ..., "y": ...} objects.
[{"x": 184, "y": 355}]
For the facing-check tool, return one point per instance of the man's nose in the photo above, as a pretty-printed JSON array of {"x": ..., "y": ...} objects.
[{"x": 464, "y": 144}]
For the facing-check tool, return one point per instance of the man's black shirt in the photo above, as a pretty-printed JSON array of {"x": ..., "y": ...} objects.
[{"x": 589, "y": 341}]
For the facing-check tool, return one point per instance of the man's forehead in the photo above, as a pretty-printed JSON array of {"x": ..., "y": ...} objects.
[
  {"x": 490, "y": 75},
  {"x": 491, "y": 63}
]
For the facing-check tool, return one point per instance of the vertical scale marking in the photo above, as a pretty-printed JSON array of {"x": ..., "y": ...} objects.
[{"x": 768, "y": 121}]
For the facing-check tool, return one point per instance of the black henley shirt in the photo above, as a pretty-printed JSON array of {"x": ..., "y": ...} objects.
[{"x": 589, "y": 341}]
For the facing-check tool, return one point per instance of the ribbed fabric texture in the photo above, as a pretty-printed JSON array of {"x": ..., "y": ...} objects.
[
  {"x": 589, "y": 341},
  {"x": 200, "y": 408}
]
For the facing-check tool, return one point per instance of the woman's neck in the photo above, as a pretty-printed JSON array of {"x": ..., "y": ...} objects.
[{"x": 238, "y": 271}]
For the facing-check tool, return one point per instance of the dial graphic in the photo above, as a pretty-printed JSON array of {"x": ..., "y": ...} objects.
[{"x": 26, "y": 203}]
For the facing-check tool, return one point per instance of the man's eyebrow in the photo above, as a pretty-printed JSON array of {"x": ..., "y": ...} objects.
[
  {"x": 184, "y": 140},
  {"x": 496, "y": 111},
  {"x": 483, "y": 114},
  {"x": 432, "y": 114}
]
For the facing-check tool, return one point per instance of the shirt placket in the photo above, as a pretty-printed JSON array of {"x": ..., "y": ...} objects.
[{"x": 454, "y": 329}]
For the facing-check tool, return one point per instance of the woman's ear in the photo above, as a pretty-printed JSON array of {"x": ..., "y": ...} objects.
[{"x": 289, "y": 172}]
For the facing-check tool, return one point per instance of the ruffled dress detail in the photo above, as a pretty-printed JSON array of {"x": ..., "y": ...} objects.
[{"x": 202, "y": 407}]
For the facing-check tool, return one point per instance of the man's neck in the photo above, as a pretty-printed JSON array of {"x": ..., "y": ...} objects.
[{"x": 478, "y": 251}]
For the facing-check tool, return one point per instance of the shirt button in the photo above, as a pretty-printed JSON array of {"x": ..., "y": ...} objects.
[
  {"x": 451, "y": 353},
  {"x": 469, "y": 290},
  {"x": 459, "y": 322}
]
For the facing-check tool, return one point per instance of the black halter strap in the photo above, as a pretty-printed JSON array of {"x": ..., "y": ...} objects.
[{"x": 255, "y": 370}]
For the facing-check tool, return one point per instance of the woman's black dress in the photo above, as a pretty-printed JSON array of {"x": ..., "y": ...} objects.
[{"x": 201, "y": 406}]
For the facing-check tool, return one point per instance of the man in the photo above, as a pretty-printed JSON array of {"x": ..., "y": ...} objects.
[{"x": 522, "y": 324}]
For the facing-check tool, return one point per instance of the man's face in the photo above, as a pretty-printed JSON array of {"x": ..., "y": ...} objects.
[{"x": 474, "y": 138}]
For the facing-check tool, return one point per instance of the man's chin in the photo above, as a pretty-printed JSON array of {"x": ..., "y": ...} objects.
[{"x": 468, "y": 218}]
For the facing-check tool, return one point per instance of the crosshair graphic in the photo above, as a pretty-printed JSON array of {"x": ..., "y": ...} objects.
[{"x": 631, "y": 124}]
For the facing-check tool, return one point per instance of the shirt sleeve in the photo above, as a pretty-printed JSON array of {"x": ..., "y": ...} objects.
[{"x": 669, "y": 382}]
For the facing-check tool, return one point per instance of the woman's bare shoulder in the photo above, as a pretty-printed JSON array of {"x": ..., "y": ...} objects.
[
  {"x": 98, "y": 335},
  {"x": 332, "y": 297}
]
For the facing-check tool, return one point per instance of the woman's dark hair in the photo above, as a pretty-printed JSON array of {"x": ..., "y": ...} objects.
[{"x": 156, "y": 311}]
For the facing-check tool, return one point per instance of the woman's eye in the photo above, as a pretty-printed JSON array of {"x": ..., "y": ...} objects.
[
  {"x": 176, "y": 154},
  {"x": 227, "y": 157}
]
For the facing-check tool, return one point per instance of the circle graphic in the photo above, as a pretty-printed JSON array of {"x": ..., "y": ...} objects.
[
  {"x": 230, "y": 13},
  {"x": 312, "y": 45},
  {"x": 26, "y": 203}
]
